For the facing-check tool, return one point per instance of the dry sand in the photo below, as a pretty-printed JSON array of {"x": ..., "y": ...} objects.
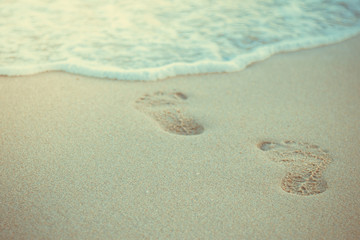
[{"x": 194, "y": 157}]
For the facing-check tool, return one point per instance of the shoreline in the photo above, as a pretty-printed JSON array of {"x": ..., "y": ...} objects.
[
  {"x": 89, "y": 158},
  {"x": 166, "y": 72}
]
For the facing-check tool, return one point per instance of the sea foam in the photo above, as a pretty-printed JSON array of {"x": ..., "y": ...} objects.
[{"x": 149, "y": 40}]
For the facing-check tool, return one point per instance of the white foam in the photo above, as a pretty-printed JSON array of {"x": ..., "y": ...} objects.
[{"x": 149, "y": 40}]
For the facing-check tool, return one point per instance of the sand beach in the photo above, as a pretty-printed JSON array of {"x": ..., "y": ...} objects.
[{"x": 271, "y": 152}]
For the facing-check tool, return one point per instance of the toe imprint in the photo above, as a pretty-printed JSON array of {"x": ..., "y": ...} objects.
[{"x": 305, "y": 164}]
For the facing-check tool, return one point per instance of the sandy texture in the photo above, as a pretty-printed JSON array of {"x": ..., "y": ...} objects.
[{"x": 271, "y": 152}]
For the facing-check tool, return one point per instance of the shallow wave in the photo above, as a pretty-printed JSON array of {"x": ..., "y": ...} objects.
[{"x": 149, "y": 40}]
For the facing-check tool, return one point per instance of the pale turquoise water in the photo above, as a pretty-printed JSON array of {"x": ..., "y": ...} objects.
[{"x": 148, "y": 40}]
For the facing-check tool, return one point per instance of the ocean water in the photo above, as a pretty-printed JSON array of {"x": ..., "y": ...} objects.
[{"x": 154, "y": 39}]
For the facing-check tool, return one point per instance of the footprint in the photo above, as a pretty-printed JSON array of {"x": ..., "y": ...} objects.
[
  {"x": 305, "y": 164},
  {"x": 165, "y": 109}
]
